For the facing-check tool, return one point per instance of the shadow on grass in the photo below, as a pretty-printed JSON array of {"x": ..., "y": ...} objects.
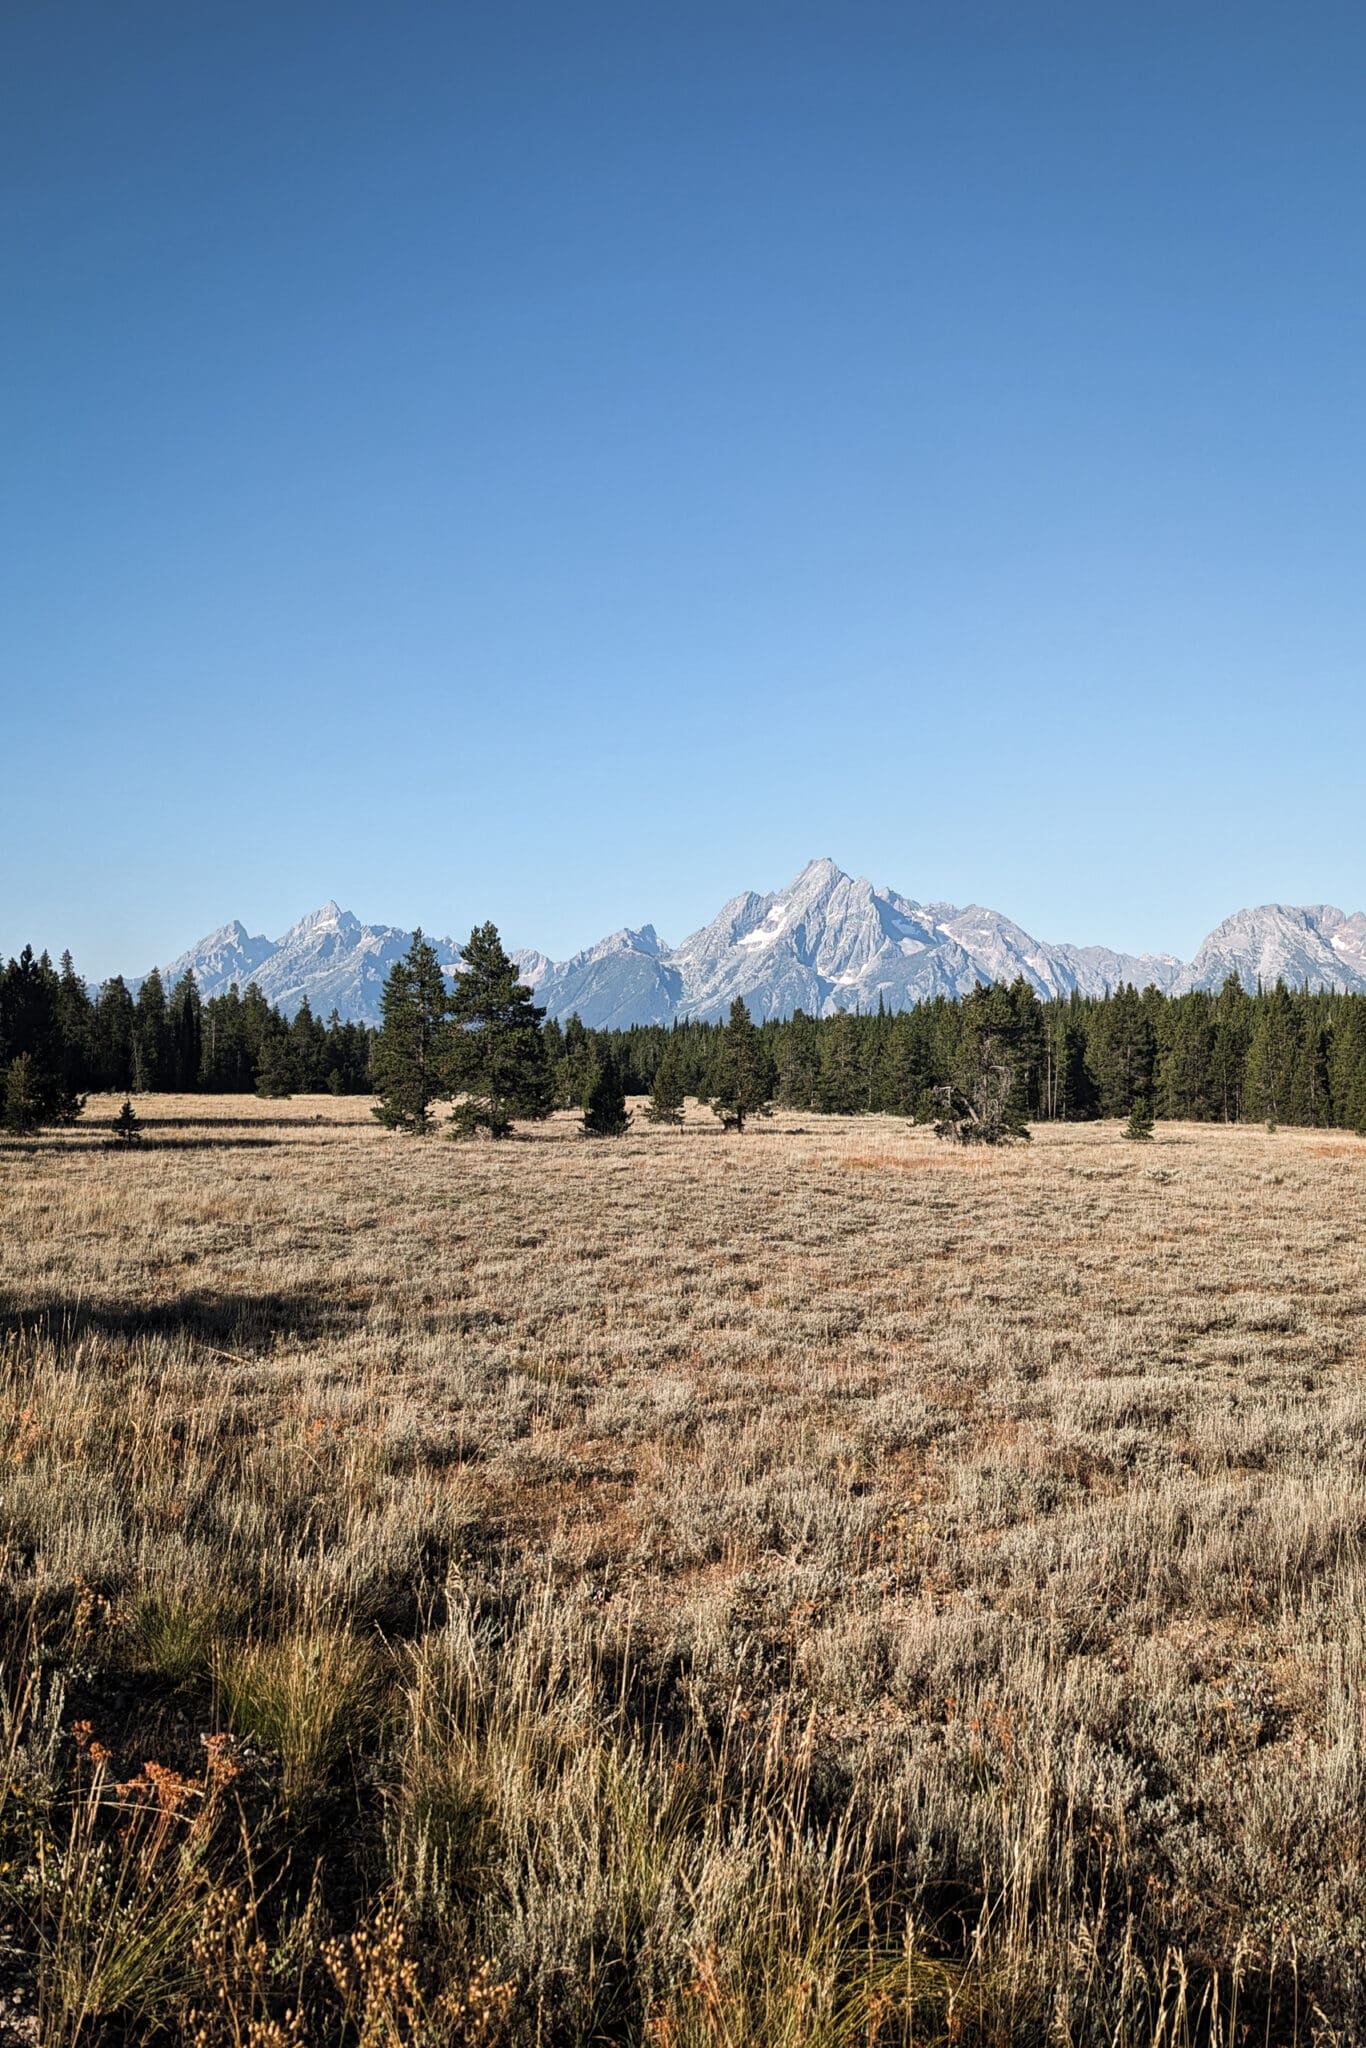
[
  {"x": 303, "y": 1122},
  {"x": 94, "y": 1138},
  {"x": 226, "y": 1322}
]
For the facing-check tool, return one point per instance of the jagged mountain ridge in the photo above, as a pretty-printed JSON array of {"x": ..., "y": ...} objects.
[
  {"x": 329, "y": 958},
  {"x": 826, "y": 942}
]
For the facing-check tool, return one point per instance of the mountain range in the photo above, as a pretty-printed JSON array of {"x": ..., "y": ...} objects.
[{"x": 826, "y": 942}]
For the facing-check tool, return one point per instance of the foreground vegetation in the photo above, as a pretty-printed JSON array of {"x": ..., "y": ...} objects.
[{"x": 830, "y": 1588}]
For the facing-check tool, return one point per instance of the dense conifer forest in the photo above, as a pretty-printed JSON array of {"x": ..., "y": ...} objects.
[
  {"x": 58, "y": 1044},
  {"x": 1279, "y": 1056}
]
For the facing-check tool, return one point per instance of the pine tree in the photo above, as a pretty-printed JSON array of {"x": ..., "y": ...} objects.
[
  {"x": 1186, "y": 1068},
  {"x": 21, "y": 1109},
  {"x": 275, "y": 1074},
  {"x": 605, "y": 1114},
  {"x": 573, "y": 1069},
  {"x": 1121, "y": 1050},
  {"x": 75, "y": 1029},
  {"x": 669, "y": 1092},
  {"x": 798, "y": 1062},
  {"x": 30, "y": 1031},
  {"x": 905, "y": 1067},
  {"x": 308, "y": 1043},
  {"x": 127, "y": 1127},
  {"x": 498, "y": 1055},
  {"x": 1271, "y": 1056},
  {"x": 257, "y": 1025},
  {"x": 1309, "y": 1087},
  {"x": 184, "y": 1034},
  {"x": 1077, "y": 1098},
  {"x": 151, "y": 1050},
  {"x": 742, "y": 1077},
  {"x": 840, "y": 1082},
  {"x": 1228, "y": 1057},
  {"x": 115, "y": 1025},
  {"x": 1140, "y": 1124},
  {"x": 411, "y": 1062},
  {"x": 982, "y": 1102},
  {"x": 1347, "y": 1066},
  {"x": 1028, "y": 1045}
]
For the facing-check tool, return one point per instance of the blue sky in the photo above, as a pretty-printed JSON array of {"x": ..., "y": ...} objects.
[{"x": 569, "y": 463}]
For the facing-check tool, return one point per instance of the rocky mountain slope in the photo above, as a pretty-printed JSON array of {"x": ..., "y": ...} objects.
[
  {"x": 826, "y": 942},
  {"x": 1277, "y": 941}
]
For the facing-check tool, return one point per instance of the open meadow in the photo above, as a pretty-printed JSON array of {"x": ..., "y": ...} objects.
[{"x": 821, "y": 1586}]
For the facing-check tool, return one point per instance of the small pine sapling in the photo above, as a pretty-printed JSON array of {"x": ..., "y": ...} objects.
[
  {"x": 1140, "y": 1124},
  {"x": 127, "y": 1127}
]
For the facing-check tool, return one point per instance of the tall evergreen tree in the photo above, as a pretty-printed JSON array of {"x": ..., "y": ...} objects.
[
  {"x": 1271, "y": 1055},
  {"x": 308, "y": 1045},
  {"x": 1121, "y": 1050},
  {"x": 32, "y": 1055},
  {"x": 115, "y": 1030},
  {"x": 905, "y": 1072},
  {"x": 498, "y": 1055},
  {"x": 1347, "y": 1067},
  {"x": 151, "y": 1042},
  {"x": 983, "y": 1100},
  {"x": 1028, "y": 1045},
  {"x": 1232, "y": 1036},
  {"x": 184, "y": 1033},
  {"x": 605, "y": 1114},
  {"x": 258, "y": 1025},
  {"x": 1185, "y": 1079},
  {"x": 840, "y": 1085},
  {"x": 275, "y": 1072},
  {"x": 742, "y": 1078},
  {"x": 75, "y": 1028},
  {"x": 412, "y": 1057},
  {"x": 573, "y": 1068},
  {"x": 670, "y": 1088},
  {"x": 1076, "y": 1095},
  {"x": 799, "y": 1062},
  {"x": 1310, "y": 1101}
]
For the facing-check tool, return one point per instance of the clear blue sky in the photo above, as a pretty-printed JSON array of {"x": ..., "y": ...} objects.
[{"x": 569, "y": 462}]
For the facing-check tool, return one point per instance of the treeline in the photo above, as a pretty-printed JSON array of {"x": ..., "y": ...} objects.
[
  {"x": 57, "y": 1044},
  {"x": 1280, "y": 1056}
]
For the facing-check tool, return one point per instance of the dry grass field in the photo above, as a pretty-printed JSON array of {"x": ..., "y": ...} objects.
[{"x": 819, "y": 1587}]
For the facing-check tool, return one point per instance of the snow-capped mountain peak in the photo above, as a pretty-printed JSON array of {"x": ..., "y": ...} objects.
[{"x": 827, "y": 941}]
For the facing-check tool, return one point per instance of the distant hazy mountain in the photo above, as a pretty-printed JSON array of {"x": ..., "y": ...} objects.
[{"x": 826, "y": 942}]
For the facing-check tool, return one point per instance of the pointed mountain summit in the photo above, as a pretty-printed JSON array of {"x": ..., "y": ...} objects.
[
  {"x": 827, "y": 941},
  {"x": 226, "y": 956},
  {"x": 625, "y": 979}
]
